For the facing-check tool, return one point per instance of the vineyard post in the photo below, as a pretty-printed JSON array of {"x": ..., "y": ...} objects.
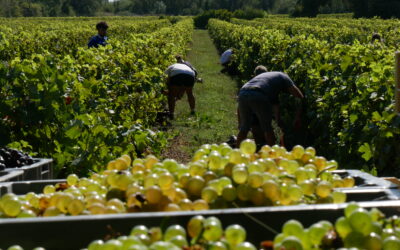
[{"x": 397, "y": 84}]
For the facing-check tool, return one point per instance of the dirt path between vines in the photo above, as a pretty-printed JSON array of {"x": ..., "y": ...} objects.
[{"x": 216, "y": 118}]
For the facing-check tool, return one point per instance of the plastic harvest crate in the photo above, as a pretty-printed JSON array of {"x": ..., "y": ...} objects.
[
  {"x": 78, "y": 231},
  {"x": 374, "y": 193},
  {"x": 42, "y": 169},
  {"x": 6, "y": 176},
  {"x": 24, "y": 187},
  {"x": 363, "y": 179}
]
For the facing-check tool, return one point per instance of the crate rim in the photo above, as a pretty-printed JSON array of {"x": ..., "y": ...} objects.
[
  {"x": 10, "y": 174},
  {"x": 210, "y": 212},
  {"x": 41, "y": 161}
]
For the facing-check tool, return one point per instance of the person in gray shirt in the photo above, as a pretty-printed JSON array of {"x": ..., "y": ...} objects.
[{"x": 259, "y": 97}]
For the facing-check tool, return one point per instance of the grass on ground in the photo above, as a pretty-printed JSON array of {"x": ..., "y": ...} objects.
[{"x": 215, "y": 118}]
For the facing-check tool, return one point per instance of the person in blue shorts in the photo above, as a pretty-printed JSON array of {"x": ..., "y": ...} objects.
[
  {"x": 101, "y": 37},
  {"x": 259, "y": 98}
]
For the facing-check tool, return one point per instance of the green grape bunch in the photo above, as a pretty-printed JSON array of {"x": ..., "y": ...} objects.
[
  {"x": 217, "y": 177},
  {"x": 357, "y": 229},
  {"x": 200, "y": 233}
]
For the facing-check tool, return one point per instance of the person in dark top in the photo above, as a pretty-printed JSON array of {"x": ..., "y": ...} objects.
[
  {"x": 100, "y": 38},
  {"x": 181, "y": 79},
  {"x": 259, "y": 97}
]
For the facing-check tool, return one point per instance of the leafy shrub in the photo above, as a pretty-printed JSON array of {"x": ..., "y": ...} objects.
[
  {"x": 371, "y": 8},
  {"x": 201, "y": 20},
  {"x": 86, "y": 108},
  {"x": 349, "y": 91},
  {"x": 248, "y": 13}
]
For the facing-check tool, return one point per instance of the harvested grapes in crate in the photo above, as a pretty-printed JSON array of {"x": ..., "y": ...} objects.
[
  {"x": 217, "y": 177},
  {"x": 12, "y": 158}
]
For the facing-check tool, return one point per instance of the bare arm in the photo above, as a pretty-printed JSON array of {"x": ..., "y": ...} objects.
[
  {"x": 277, "y": 113},
  {"x": 238, "y": 116},
  {"x": 295, "y": 92},
  {"x": 167, "y": 83}
]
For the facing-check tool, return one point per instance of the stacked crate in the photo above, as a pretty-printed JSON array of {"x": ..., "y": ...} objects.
[
  {"x": 41, "y": 169},
  {"x": 76, "y": 232}
]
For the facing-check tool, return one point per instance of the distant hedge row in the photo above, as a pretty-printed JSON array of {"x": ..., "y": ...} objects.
[{"x": 201, "y": 20}]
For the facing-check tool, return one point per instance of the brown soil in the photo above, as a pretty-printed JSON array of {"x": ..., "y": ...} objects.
[{"x": 175, "y": 150}]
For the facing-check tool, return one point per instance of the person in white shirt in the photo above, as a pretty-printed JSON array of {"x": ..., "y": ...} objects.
[
  {"x": 181, "y": 79},
  {"x": 225, "y": 60}
]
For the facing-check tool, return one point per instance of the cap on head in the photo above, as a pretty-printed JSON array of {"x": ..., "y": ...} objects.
[
  {"x": 260, "y": 69},
  {"x": 102, "y": 25}
]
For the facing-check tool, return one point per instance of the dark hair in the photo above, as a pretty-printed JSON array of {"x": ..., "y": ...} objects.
[
  {"x": 376, "y": 36},
  {"x": 260, "y": 69},
  {"x": 102, "y": 25},
  {"x": 178, "y": 57}
]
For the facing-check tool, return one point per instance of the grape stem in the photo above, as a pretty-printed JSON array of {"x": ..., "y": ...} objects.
[
  {"x": 325, "y": 170},
  {"x": 197, "y": 238},
  {"x": 287, "y": 176},
  {"x": 256, "y": 220}
]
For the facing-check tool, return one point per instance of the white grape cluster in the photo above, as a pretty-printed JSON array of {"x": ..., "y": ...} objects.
[
  {"x": 217, "y": 177},
  {"x": 203, "y": 233},
  {"x": 357, "y": 229}
]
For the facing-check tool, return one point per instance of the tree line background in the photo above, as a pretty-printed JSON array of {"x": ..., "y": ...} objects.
[{"x": 360, "y": 8}]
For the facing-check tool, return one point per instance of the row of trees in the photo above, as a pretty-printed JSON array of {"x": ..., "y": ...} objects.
[
  {"x": 194, "y": 7},
  {"x": 184, "y": 7},
  {"x": 371, "y": 8},
  {"x": 11, "y": 8},
  {"x": 15, "y": 8},
  {"x": 361, "y": 8}
]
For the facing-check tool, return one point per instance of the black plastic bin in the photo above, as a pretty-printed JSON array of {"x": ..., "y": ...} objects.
[
  {"x": 24, "y": 187},
  {"x": 363, "y": 179},
  {"x": 77, "y": 232},
  {"x": 7, "y": 176},
  {"x": 41, "y": 169},
  {"x": 371, "y": 194}
]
